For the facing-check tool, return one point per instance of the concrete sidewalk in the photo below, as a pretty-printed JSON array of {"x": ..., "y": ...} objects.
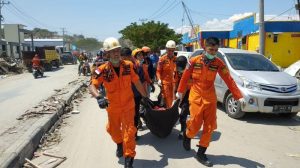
[{"x": 19, "y": 142}]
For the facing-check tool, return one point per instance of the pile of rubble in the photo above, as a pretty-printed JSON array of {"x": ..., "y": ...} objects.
[{"x": 9, "y": 65}]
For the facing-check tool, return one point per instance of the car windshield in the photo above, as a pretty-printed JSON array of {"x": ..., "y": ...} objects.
[{"x": 250, "y": 62}]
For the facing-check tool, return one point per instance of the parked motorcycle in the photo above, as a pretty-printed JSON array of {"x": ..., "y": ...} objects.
[{"x": 37, "y": 71}]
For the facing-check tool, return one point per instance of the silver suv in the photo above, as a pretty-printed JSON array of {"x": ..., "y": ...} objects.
[{"x": 263, "y": 86}]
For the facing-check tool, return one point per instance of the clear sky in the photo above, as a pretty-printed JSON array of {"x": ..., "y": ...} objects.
[{"x": 104, "y": 18}]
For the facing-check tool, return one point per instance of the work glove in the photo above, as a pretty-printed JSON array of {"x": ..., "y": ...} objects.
[
  {"x": 159, "y": 82},
  {"x": 152, "y": 87},
  {"x": 242, "y": 102},
  {"x": 179, "y": 95},
  {"x": 102, "y": 102}
]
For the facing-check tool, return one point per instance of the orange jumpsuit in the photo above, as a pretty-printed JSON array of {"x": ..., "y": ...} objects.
[
  {"x": 121, "y": 103},
  {"x": 36, "y": 62},
  {"x": 165, "y": 72},
  {"x": 203, "y": 101}
]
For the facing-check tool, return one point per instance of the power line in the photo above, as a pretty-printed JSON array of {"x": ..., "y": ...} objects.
[
  {"x": 30, "y": 17},
  {"x": 282, "y": 13},
  {"x": 12, "y": 11},
  {"x": 167, "y": 10},
  {"x": 159, "y": 9}
]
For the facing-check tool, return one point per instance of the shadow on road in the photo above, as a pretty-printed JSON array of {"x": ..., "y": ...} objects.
[
  {"x": 170, "y": 147},
  {"x": 266, "y": 118},
  {"x": 270, "y": 119},
  {"x": 57, "y": 69},
  {"x": 232, "y": 160},
  {"x": 215, "y": 136},
  {"x": 163, "y": 162}
]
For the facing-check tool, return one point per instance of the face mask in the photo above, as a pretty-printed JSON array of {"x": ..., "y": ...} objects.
[
  {"x": 114, "y": 61},
  {"x": 209, "y": 56}
]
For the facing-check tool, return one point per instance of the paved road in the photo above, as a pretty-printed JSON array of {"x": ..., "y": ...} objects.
[
  {"x": 20, "y": 92},
  {"x": 259, "y": 140}
]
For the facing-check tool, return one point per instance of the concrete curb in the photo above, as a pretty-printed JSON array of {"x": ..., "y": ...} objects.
[{"x": 27, "y": 143}]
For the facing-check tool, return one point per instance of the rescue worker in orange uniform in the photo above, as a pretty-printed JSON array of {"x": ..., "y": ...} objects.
[
  {"x": 142, "y": 71},
  {"x": 203, "y": 103},
  {"x": 36, "y": 62},
  {"x": 181, "y": 62},
  {"x": 146, "y": 53},
  {"x": 117, "y": 77},
  {"x": 165, "y": 73}
]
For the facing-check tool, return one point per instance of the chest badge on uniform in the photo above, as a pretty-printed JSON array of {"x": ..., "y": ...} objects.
[{"x": 126, "y": 69}]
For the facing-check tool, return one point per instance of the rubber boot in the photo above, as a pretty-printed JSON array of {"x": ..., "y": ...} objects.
[
  {"x": 186, "y": 142},
  {"x": 119, "y": 152},
  {"x": 128, "y": 162},
  {"x": 136, "y": 136},
  {"x": 201, "y": 157}
]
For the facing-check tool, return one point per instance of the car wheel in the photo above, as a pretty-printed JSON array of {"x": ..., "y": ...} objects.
[
  {"x": 233, "y": 107},
  {"x": 288, "y": 115}
]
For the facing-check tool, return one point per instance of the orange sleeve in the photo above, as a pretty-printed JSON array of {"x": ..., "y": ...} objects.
[
  {"x": 225, "y": 75},
  {"x": 97, "y": 78},
  {"x": 185, "y": 78},
  {"x": 159, "y": 68},
  {"x": 147, "y": 77},
  {"x": 134, "y": 76}
]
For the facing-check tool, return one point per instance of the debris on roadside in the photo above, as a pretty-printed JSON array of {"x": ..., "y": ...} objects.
[
  {"x": 52, "y": 162},
  {"x": 9, "y": 65},
  {"x": 294, "y": 128},
  {"x": 57, "y": 90},
  {"x": 48, "y": 106},
  {"x": 293, "y": 155}
]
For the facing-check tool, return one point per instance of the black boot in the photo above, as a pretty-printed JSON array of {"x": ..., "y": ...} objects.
[
  {"x": 201, "y": 157},
  {"x": 128, "y": 162},
  {"x": 136, "y": 136},
  {"x": 186, "y": 142},
  {"x": 119, "y": 152}
]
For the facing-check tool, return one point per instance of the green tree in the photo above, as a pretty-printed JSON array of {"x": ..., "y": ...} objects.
[
  {"x": 88, "y": 44},
  {"x": 43, "y": 33},
  {"x": 151, "y": 34}
]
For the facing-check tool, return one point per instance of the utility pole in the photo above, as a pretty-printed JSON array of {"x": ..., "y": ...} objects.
[
  {"x": 63, "y": 32},
  {"x": 261, "y": 27},
  {"x": 298, "y": 7},
  {"x": 190, "y": 20},
  {"x": 2, "y": 3}
]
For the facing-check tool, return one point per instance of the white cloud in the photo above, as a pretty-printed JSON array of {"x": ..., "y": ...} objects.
[
  {"x": 183, "y": 29},
  {"x": 278, "y": 18},
  {"x": 224, "y": 24}
]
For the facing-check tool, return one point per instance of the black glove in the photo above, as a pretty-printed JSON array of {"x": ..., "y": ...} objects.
[
  {"x": 102, "y": 102},
  {"x": 152, "y": 88}
]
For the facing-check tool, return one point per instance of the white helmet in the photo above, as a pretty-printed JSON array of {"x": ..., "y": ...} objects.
[
  {"x": 171, "y": 44},
  {"x": 110, "y": 44}
]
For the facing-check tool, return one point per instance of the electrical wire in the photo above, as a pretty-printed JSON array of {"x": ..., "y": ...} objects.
[
  {"x": 166, "y": 11},
  {"x": 156, "y": 12},
  {"x": 18, "y": 9},
  {"x": 282, "y": 13}
]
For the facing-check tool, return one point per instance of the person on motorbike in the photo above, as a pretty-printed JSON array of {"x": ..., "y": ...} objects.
[
  {"x": 82, "y": 58},
  {"x": 36, "y": 64}
]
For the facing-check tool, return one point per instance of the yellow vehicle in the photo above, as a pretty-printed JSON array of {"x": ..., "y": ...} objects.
[{"x": 49, "y": 57}]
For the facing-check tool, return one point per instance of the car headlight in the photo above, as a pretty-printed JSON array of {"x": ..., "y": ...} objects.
[{"x": 250, "y": 84}]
